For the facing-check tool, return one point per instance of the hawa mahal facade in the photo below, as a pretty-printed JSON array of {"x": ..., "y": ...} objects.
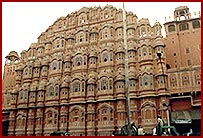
[{"x": 73, "y": 78}]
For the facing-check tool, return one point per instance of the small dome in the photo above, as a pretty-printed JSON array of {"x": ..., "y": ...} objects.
[
  {"x": 70, "y": 36},
  {"x": 91, "y": 81},
  {"x": 94, "y": 30},
  {"x": 120, "y": 77},
  {"x": 23, "y": 52},
  {"x": 120, "y": 49},
  {"x": 131, "y": 75},
  {"x": 33, "y": 45},
  {"x": 158, "y": 43},
  {"x": 143, "y": 21},
  {"x": 157, "y": 24},
  {"x": 93, "y": 54},
  {"x": 67, "y": 58},
  {"x": 12, "y": 54},
  {"x": 64, "y": 84}
]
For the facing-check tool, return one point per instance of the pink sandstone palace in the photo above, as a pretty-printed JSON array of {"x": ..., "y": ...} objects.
[{"x": 73, "y": 78}]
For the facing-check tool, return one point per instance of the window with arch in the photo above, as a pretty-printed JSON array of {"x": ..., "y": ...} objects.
[
  {"x": 23, "y": 95},
  {"x": 51, "y": 118},
  {"x": 120, "y": 84},
  {"x": 197, "y": 79},
  {"x": 83, "y": 86},
  {"x": 140, "y": 81},
  {"x": 173, "y": 82},
  {"x": 112, "y": 31},
  {"x": 25, "y": 71},
  {"x": 105, "y": 114},
  {"x": 62, "y": 43},
  {"x": 56, "y": 90},
  {"x": 57, "y": 43},
  {"x": 85, "y": 60},
  {"x": 119, "y": 32},
  {"x": 67, "y": 64},
  {"x": 185, "y": 80},
  {"x": 51, "y": 91},
  {"x": 145, "y": 80},
  {"x": 104, "y": 84},
  {"x": 131, "y": 54},
  {"x": 93, "y": 36},
  {"x": 54, "y": 65},
  {"x": 77, "y": 117},
  {"x": 105, "y": 33},
  {"x": 183, "y": 26},
  {"x": 139, "y": 52},
  {"x": 110, "y": 84},
  {"x": 104, "y": 57},
  {"x": 195, "y": 24},
  {"x": 132, "y": 83},
  {"x": 78, "y": 61},
  {"x": 144, "y": 51},
  {"x": 171, "y": 28},
  {"x": 20, "y": 121},
  {"x": 76, "y": 87},
  {"x": 91, "y": 87},
  {"x": 148, "y": 113},
  {"x": 143, "y": 31},
  {"x": 111, "y": 56}
]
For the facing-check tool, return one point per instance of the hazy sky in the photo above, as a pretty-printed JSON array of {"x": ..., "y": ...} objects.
[{"x": 23, "y": 22}]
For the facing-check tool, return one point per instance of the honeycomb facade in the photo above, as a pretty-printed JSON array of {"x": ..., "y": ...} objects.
[{"x": 73, "y": 78}]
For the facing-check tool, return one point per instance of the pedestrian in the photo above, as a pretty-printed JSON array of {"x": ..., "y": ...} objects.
[
  {"x": 140, "y": 130},
  {"x": 190, "y": 133},
  {"x": 113, "y": 133},
  {"x": 154, "y": 132},
  {"x": 159, "y": 125}
]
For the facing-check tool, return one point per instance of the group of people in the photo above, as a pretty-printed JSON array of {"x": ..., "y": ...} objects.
[
  {"x": 140, "y": 131},
  {"x": 134, "y": 130}
]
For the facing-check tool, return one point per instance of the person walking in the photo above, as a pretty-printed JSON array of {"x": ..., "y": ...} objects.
[
  {"x": 140, "y": 130},
  {"x": 159, "y": 125}
]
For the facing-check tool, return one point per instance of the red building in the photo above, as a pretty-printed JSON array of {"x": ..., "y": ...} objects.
[{"x": 73, "y": 78}]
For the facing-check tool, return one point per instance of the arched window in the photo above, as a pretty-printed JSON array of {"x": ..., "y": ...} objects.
[
  {"x": 85, "y": 59},
  {"x": 145, "y": 80},
  {"x": 105, "y": 33},
  {"x": 56, "y": 90},
  {"x": 76, "y": 87},
  {"x": 104, "y": 85},
  {"x": 110, "y": 84},
  {"x": 140, "y": 81},
  {"x": 196, "y": 24},
  {"x": 143, "y": 31},
  {"x": 62, "y": 42},
  {"x": 111, "y": 56},
  {"x": 21, "y": 94},
  {"x": 105, "y": 57},
  {"x": 144, "y": 51},
  {"x": 183, "y": 26},
  {"x": 51, "y": 91},
  {"x": 171, "y": 28},
  {"x": 57, "y": 43},
  {"x": 54, "y": 65},
  {"x": 78, "y": 61},
  {"x": 26, "y": 71}
]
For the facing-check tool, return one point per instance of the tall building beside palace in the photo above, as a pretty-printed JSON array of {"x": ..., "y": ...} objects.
[{"x": 73, "y": 78}]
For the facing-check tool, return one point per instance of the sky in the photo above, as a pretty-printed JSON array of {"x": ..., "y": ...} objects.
[{"x": 23, "y": 22}]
